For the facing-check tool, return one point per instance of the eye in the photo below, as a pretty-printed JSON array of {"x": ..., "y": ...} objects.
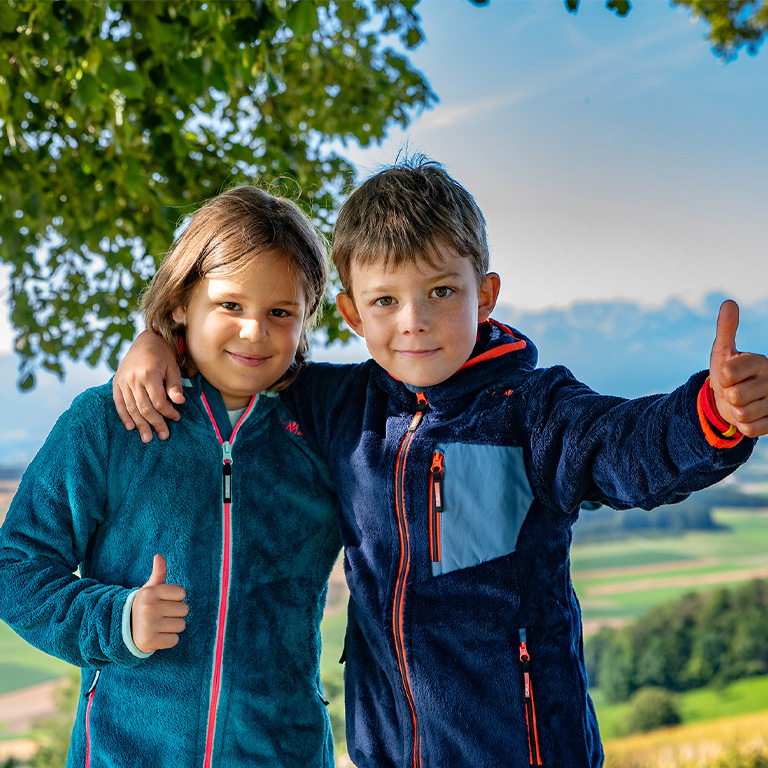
[
  {"x": 442, "y": 292},
  {"x": 232, "y": 306},
  {"x": 384, "y": 301},
  {"x": 280, "y": 313}
]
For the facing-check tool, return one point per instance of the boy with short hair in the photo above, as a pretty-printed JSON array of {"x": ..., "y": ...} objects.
[{"x": 460, "y": 470}]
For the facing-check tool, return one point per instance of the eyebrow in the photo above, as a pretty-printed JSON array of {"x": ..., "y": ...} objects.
[
  {"x": 384, "y": 288},
  {"x": 235, "y": 296}
]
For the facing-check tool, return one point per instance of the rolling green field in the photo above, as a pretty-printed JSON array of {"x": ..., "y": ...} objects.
[
  {"x": 739, "y": 698},
  {"x": 22, "y": 665},
  {"x": 619, "y": 580}
]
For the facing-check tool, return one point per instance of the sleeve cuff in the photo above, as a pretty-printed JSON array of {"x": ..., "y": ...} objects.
[
  {"x": 127, "y": 637},
  {"x": 718, "y": 432}
]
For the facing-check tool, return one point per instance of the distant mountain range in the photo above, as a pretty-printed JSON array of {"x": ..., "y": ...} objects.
[
  {"x": 629, "y": 350},
  {"x": 617, "y": 347}
]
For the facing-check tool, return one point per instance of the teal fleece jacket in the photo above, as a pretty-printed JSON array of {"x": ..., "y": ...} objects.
[{"x": 242, "y": 687}]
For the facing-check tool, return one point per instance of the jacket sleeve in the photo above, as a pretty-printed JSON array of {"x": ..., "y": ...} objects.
[
  {"x": 60, "y": 502},
  {"x": 623, "y": 453}
]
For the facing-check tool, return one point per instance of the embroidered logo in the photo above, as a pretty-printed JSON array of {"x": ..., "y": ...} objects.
[{"x": 292, "y": 427}]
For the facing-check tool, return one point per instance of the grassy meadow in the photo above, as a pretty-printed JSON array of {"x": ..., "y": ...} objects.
[{"x": 618, "y": 581}]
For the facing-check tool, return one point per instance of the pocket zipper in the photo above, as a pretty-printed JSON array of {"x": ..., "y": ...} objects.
[
  {"x": 435, "y": 510},
  {"x": 534, "y": 754}
]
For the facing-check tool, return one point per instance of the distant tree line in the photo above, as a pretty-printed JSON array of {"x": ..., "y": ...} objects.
[
  {"x": 693, "y": 514},
  {"x": 699, "y": 640}
]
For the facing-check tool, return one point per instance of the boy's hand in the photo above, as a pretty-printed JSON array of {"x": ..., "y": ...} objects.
[
  {"x": 139, "y": 387},
  {"x": 158, "y": 611},
  {"x": 739, "y": 379}
]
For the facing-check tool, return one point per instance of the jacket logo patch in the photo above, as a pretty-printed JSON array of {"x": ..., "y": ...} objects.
[{"x": 292, "y": 427}]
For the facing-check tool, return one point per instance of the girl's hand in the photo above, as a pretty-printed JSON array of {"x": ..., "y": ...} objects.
[
  {"x": 739, "y": 379},
  {"x": 158, "y": 611},
  {"x": 140, "y": 384}
]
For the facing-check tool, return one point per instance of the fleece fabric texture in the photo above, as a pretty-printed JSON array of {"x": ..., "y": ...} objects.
[
  {"x": 96, "y": 499},
  {"x": 433, "y": 673}
]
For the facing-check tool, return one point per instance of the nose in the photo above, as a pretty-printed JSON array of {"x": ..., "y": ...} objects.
[
  {"x": 253, "y": 330},
  {"x": 414, "y": 318}
]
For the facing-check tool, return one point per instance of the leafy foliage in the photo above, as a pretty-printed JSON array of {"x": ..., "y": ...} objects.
[
  {"x": 652, "y": 708},
  {"x": 733, "y": 24},
  {"x": 118, "y": 118},
  {"x": 699, "y": 640}
]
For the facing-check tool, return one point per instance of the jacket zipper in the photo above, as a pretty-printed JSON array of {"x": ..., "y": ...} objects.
[
  {"x": 435, "y": 508},
  {"x": 534, "y": 754},
  {"x": 90, "y": 694},
  {"x": 402, "y": 573},
  {"x": 226, "y": 567}
]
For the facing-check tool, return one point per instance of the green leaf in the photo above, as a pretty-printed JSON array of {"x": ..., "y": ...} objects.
[
  {"x": 87, "y": 91},
  {"x": 302, "y": 18},
  {"x": 621, "y": 7}
]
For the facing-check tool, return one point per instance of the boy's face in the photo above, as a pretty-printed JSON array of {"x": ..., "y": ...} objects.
[{"x": 419, "y": 322}]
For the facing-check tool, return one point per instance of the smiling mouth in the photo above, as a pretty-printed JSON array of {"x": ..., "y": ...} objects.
[
  {"x": 248, "y": 361},
  {"x": 416, "y": 352}
]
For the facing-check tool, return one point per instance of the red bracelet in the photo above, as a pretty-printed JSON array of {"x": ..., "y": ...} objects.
[
  {"x": 710, "y": 408},
  {"x": 719, "y": 433}
]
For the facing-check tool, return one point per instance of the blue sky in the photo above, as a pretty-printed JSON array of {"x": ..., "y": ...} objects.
[{"x": 612, "y": 157}]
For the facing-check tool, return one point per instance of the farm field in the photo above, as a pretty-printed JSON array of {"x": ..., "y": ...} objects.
[
  {"x": 618, "y": 581},
  {"x": 707, "y": 704},
  {"x": 694, "y": 746}
]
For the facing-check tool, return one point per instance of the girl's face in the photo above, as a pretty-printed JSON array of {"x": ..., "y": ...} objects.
[{"x": 242, "y": 333}]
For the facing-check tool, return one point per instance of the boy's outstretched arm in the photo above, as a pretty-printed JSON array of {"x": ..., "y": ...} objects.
[
  {"x": 140, "y": 384},
  {"x": 739, "y": 379}
]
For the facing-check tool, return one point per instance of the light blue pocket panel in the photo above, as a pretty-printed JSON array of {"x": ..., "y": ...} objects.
[{"x": 486, "y": 497}]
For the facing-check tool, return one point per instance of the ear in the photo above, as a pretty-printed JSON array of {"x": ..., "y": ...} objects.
[
  {"x": 347, "y": 309},
  {"x": 487, "y": 295},
  {"x": 180, "y": 315}
]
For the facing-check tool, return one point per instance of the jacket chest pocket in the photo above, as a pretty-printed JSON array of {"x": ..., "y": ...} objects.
[{"x": 479, "y": 497}]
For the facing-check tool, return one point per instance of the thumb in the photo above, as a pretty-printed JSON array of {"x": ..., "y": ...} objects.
[
  {"x": 159, "y": 572},
  {"x": 727, "y": 325}
]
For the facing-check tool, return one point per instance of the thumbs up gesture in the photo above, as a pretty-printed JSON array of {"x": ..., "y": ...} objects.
[
  {"x": 739, "y": 379},
  {"x": 158, "y": 611}
]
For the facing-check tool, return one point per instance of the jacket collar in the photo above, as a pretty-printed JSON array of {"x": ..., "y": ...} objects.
[{"x": 198, "y": 387}]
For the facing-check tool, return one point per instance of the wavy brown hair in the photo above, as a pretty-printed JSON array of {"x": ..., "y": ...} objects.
[
  {"x": 402, "y": 214},
  {"x": 223, "y": 238}
]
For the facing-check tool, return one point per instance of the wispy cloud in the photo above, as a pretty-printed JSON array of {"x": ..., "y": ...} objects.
[{"x": 643, "y": 62}]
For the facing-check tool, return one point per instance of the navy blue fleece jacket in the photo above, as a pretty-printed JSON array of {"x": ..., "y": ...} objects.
[
  {"x": 464, "y": 639},
  {"x": 242, "y": 687}
]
